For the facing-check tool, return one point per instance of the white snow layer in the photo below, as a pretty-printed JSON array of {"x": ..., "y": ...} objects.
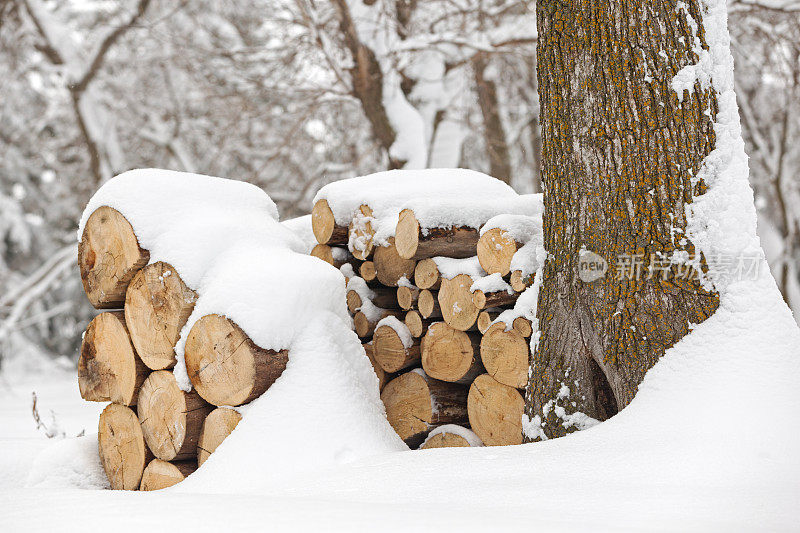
[
  {"x": 521, "y": 228},
  {"x": 450, "y": 268},
  {"x": 491, "y": 283},
  {"x": 301, "y": 226}
]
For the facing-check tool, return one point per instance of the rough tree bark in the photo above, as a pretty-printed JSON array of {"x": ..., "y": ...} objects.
[
  {"x": 620, "y": 149},
  {"x": 493, "y": 132}
]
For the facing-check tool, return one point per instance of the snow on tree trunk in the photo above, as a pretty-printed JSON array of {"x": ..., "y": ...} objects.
[{"x": 627, "y": 122}]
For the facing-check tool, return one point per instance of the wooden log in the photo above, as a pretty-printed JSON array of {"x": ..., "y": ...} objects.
[
  {"x": 523, "y": 326},
  {"x": 216, "y": 427},
  {"x": 171, "y": 419},
  {"x": 361, "y": 233},
  {"x": 450, "y": 437},
  {"x": 365, "y": 326},
  {"x": 426, "y": 274},
  {"x": 407, "y": 297},
  {"x": 324, "y": 226},
  {"x": 495, "y": 249},
  {"x": 417, "y": 325},
  {"x": 455, "y": 301},
  {"x": 157, "y": 305},
  {"x": 367, "y": 271},
  {"x": 109, "y": 256},
  {"x": 389, "y": 351},
  {"x": 162, "y": 474},
  {"x": 109, "y": 370},
  {"x": 122, "y": 448},
  {"x": 458, "y": 242},
  {"x": 451, "y": 355},
  {"x": 519, "y": 282},
  {"x": 505, "y": 354},
  {"x": 384, "y": 297},
  {"x": 501, "y": 298},
  {"x": 428, "y": 304},
  {"x": 495, "y": 412},
  {"x": 383, "y": 376},
  {"x": 225, "y": 365},
  {"x": 485, "y": 319},
  {"x": 415, "y": 404},
  {"x": 390, "y": 267},
  {"x": 332, "y": 256}
]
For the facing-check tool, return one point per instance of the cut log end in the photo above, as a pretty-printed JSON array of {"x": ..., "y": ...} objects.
[
  {"x": 409, "y": 401},
  {"x": 407, "y": 297},
  {"x": 505, "y": 355},
  {"x": 523, "y": 326},
  {"x": 390, "y": 353},
  {"x": 323, "y": 224},
  {"x": 451, "y": 355},
  {"x": 519, "y": 282},
  {"x": 485, "y": 319},
  {"x": 122, "y": 448},
  {"x": 383, "y": 376},
  {"x": 157, "y": 305},
  {"x": 162, "y": 474},
  {"x": 428, "y": 304},
  {"x": 171, "y": 419},
  {"x": 495, "y": 249},
  {"x": 426, "y": 274},
  {"x": 445, "y": 440},
  {"x": 390, "y": 267},
  {"x": 225, "y": 366},
  {"x": 109, "y": 369},
  {"x": 217, "y": 426},
  {"x": 367, "y": 271},
  {"x": 407, "y": 234},
  {"x": 455, "y": 301},
  {"x": 495, "y": 412},
  {"x": 416, "y": 324},
  {"x": 365, "y": 327},
  {"x": 109, "y": 256}
]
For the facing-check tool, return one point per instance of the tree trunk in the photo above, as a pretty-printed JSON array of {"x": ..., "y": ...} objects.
[
  {"x": 157, "y": 305},
  {"x": 620, "y": 150},
  {"x": 494, "y": 134},
  {"x": 171, "y": 419},
  {"x": 225, "y": 366}
]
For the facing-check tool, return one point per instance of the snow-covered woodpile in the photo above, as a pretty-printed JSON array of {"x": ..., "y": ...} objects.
[
  {"x": 440, "y": 269},
  {"x": 441, "y": 289}
]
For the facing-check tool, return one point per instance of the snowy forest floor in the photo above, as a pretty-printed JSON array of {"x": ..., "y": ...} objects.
[{"x": 710, "y": 443}]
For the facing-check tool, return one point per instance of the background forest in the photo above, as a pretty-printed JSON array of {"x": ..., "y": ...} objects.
[{"x": 293, "y": 94}]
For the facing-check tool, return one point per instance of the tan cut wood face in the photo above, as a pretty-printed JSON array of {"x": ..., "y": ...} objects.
[
  {"x": 216, "y": 428},
  {"x": 407, "y": 234},
  {"x": 505, "y": 355},
  {"x": 324, "y": 252},
  {"x": 447, "y": 353},
  {"x": 455, "y": 301},
  {"x": 495, "y": 249},
  {"x": 221, "y": 361},
  {"x": 495, "y": 412},
  {"x": 121, "y": 446},
  {"x": 162, "y": 413},
  {"x": 414, "y": 323},
  {"x": 408, "y": 404},
  {"x": 427, "y": 304},
  {"x": 108, "y": 257},
  {"x": 426, "y": 274},
  {"x": 361, "y": 233},
  {"x": 388, "y": 349},
  {"x": 157, "y": 305},
  {"x": 390, "y": 267},
  {"x": 445, "y": 440},
  {"x": 367, "y": 271},
  {"x": 108, "y": 368},
  {"x": 322, "y": 221},
  {"x": 160, "y": 475}
]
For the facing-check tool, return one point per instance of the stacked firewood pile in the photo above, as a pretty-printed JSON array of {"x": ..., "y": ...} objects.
[
  {"x": 440, "y": 314},
  {"x": 153, "y": 434}
]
